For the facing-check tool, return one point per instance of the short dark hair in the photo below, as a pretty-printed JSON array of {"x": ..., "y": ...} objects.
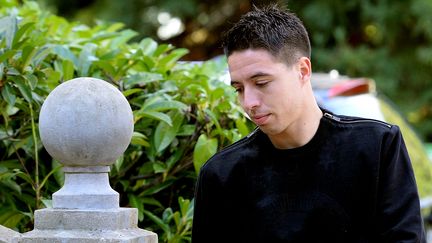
[{"x": 271, "y": 28}]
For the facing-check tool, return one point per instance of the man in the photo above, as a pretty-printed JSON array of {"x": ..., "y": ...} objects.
[{"x": 305, "y": 174}]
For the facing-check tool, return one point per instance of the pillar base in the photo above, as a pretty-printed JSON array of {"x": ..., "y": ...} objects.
[
  {"x": 87, "y": 226},
  {"x": 134, "y": 235},
  {"x": 69, "y": 219}
]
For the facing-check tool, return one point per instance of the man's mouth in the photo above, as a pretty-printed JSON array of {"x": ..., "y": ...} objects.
[{"x": 260, "y": 119}]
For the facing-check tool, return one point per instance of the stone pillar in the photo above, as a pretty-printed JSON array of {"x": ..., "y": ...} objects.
[
  {"x": 7, "y": 235},
  {"x": 86, "y": 124}
]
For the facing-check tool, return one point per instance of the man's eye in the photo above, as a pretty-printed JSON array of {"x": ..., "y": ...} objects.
[
  {"x": 238, "y": 89},
  {"x": 261, "y": 83}
]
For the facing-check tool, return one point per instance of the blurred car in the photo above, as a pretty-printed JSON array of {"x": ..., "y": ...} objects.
[{"x": 347, "y": 96}]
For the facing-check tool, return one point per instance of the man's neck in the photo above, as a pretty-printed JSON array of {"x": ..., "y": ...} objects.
[{"x": 300, "y": 133}]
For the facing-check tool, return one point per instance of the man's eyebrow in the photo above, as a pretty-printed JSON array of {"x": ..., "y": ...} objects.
[
  {"x": 259, "y": 74},
  {"x": 255, "y": 75}
]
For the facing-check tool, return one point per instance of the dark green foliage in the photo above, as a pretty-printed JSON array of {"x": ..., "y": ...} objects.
[{"x": 182, "y": 114}]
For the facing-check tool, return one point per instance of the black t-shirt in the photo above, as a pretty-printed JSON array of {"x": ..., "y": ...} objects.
[{"x": 353, "y": 182}]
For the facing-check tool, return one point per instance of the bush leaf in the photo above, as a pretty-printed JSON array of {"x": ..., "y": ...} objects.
[{"x": 204, "y": 149}]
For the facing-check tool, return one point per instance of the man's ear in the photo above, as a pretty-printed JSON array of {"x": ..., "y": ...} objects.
[{"x": 305, "y": 68}]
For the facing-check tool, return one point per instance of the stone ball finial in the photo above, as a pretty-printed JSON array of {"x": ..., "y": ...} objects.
[{"x": 86, "y": 122}]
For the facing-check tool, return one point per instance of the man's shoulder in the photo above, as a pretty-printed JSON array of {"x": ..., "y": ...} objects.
[
  {"x": 236, "y": 152},
  {"x": 360, "y": 130},
  {"x": 244, "y": 142},
  {"x": 355, "y": 122}
]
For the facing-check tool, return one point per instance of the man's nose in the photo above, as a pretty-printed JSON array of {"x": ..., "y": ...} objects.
[{"x": 250, "y": 99}]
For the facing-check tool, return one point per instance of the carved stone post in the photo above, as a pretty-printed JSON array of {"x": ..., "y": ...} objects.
[{"x": 86, "y": 124}]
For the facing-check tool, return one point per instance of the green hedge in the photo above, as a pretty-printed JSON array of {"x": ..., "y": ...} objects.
[{"x": 182, "y": 115}]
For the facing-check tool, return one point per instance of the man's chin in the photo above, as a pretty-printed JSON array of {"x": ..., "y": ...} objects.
[{"x": 265, "y": 128}]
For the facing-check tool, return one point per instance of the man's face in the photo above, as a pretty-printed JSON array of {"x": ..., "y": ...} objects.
[{"x": 269, "y": 91}]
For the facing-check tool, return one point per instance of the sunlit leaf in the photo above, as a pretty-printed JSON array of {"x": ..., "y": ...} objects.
[
  {"x": 25, "y": 177},
  {"x": 85, "y": 59},
  {"x": 28, "y": 52},
  {"x": 159, "y": 167},
  {"x": 142, "y": 79},
  {"x": 7, "y": 182},
  {"x": 167, "y": 215},
  {"x": 68, "y": 69},
  {"x": 129, "y": 92},
  {"x": 32, "y": 80},
  {"x": 165, "y": 133},
  {"x": 106, "y": 66},
  {"x": 157, "y": 220},
  {"x": 41, "y": 54},
  {"x": 118, "y": 163},
  {"x": 217, "y": 94},
  {"x": 8, "y": 26},
  {"x": 213, "y": 117},
  {"x": 153, "y": 115},
  {"x": 8, "y": 94},
  {"x": 241, "y": 126},
  {"x": 45, "y": 179},
  {"x": 59, "y": 174},
  {"x": 139, "y": 139},
  {"x": 148, "y": 46},
  {"x": 148, "y": 62},
  {"x": 162, "y": 48},
  {"x": 102, "y": 36},
  {"x": 168, "y": 61},
  {"x": 65, "y": 53},
  {"x": 11, "y": 164},
  {"x": 204, "y": 149},
  {"x": 176, "y": 217},
  {"x": 23, "y": 88},
  {"x": 115, "y": 26},
  {"x": 11, "y": 218},
  {"x": 186, "y": 130},
  {"x": 7, "y": 54},
  {"x": 12, "y": 71},
  {"x": 123, "y": 37},
  {"x": 158, "y": 104},
  {"x": 53, "y": 77},
  {"x": 152, "y": 201},
  {"x": 6, "y": 119},
  {"x": 157, "y": 188},
  {"x": 22, "y": 31},
  {"x": 184, "y": 205},
  {"x": 137, "y": 203},
  {"x": 173, "y": 159},
  {"x": 47, "y": 203}
]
